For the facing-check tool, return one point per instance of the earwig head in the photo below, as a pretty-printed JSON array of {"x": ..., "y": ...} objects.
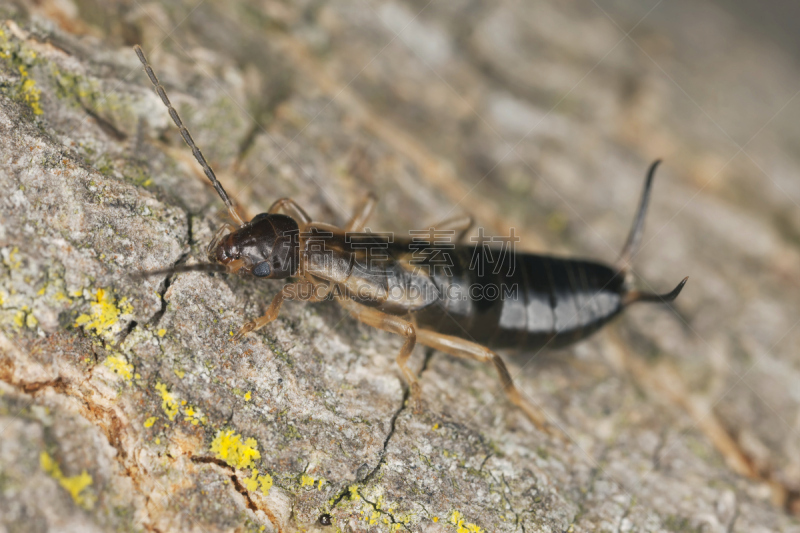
[{"x": 266, "y": 247}]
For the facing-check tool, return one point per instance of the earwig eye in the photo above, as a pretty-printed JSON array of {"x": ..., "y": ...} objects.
[{"x": 262, "y": 270}]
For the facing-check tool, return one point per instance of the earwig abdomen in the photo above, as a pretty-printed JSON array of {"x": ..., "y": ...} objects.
[{"x": 525, "y": 301}]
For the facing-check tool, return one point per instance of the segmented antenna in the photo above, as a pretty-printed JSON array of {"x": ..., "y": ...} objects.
[{"x": 198, "y": 155}]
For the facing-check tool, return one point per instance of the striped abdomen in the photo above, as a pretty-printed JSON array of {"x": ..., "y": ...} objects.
[{"x": 522, "y": 301}]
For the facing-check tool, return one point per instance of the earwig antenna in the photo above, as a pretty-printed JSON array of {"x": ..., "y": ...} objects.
[
  {"x": 638, "y": 223},
  {"x": 637, "y": 296},
  {"x": 198, "y": 155},
  {"x": 200, "y": 267}
]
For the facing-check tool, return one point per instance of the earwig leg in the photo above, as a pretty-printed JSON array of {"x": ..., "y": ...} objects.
[
  {"x": 392, "y": 324},
  {"x": 290, "y": 291},
  {"x": 460, "y": 224},
  {"x": 470, "y": 350},
  {"x": 362, "y": 213},
  {"x": 287, "y": 206}
]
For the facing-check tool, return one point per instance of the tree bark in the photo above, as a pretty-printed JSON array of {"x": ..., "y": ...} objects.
[{"x": 124, "y": 403}]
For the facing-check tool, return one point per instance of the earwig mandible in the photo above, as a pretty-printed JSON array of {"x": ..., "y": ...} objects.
[{"x": 560, "y": 301}]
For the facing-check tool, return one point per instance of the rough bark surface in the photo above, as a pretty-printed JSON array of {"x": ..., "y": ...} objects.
[{"x": 124, "y": 405}]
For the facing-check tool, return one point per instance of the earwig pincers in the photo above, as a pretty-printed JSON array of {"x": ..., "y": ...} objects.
[{"x": 542, "y": 301}]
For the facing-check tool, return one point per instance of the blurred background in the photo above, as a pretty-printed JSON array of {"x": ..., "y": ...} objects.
[{"x": 537, "y": 115}]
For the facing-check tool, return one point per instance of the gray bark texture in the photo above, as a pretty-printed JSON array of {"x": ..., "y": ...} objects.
[{"x": 124, "y": 403}]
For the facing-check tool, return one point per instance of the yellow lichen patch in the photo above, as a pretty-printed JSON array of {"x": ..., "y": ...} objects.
[
  {"x": 24, "y": 318},
  {"x": 266, "y": 483},
  {"x": 321, "y": 483},
  {"x": 193, "y": 416},
  {"x": 162, "y": 332},
  {"x": 247, "y": 396},
  {"x": 354, "y": 495},
  {"x": 257, "y": 480},
  {"x": 179, "y": 373},
  {"x": 60, "y": 296},
  {"x": 31, "y": 94},
  {"x": 150, "y": 421},
  {"x": 307, "y": 481},
  {"x": 120, "y": 366},
  {"x": 75, "y": 485},
  {"x": 104, "y": 315},
  {"x": 168, "y": 402},
  {"x": 462, "y": 526},
  {"x": 19, "y": 319},
  {"x": 11, "y": 260},
  {"x": 228, "y": 446}
]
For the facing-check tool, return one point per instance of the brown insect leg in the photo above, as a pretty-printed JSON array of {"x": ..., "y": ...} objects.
[
  {"x": 392, "y": 324},
  {"x": 287, "y": 206},
  {"x": 290, "y": 291},
  {"x": 461, "y": 224},
  {"x": 362, "y": 213},
  {"x": 470, "y": 350}
]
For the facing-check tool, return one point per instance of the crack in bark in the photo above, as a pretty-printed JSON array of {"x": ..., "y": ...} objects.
[
  {"x": 238, "y": 486},
  {"x": 382, "y": 512},
  {"x": 382, "y": 460},
  {"x": 156, "y": 318}
]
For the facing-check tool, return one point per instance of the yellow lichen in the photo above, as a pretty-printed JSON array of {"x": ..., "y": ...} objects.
[
  {"x": 75, "y": 485},
  {"x": 104, "y": 315},
  {"x": 61, "y": 297},
  {"x": 150, "y": 421},
  {"x": 306, "y": 481},
  {"x": 228, "y": 446},
  {"x": 31, "y": 94},
  {"x": 168, "y": 402},
  {"x": 193, "y": 416},
  {"x": 119, "y": 365},
  {"x": 354, "y": 495},
  {"x": 255, "y": 480},
  {"x": 11, "y": 261},
  {"x": 19, "y": 319},
  {"x": 162, "y": 332},
  {"x": 179, "y": 373},
  {"x": 457, "y": 519},
  {"x": 247, "y": 396},
  {"x": 266, "y": 483}
]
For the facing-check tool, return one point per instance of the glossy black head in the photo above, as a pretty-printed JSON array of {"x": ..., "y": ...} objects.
[{"x": 266, "y": 247}]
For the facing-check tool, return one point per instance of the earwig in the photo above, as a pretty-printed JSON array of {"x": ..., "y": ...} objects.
[{"x": 554, "y": 301}]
